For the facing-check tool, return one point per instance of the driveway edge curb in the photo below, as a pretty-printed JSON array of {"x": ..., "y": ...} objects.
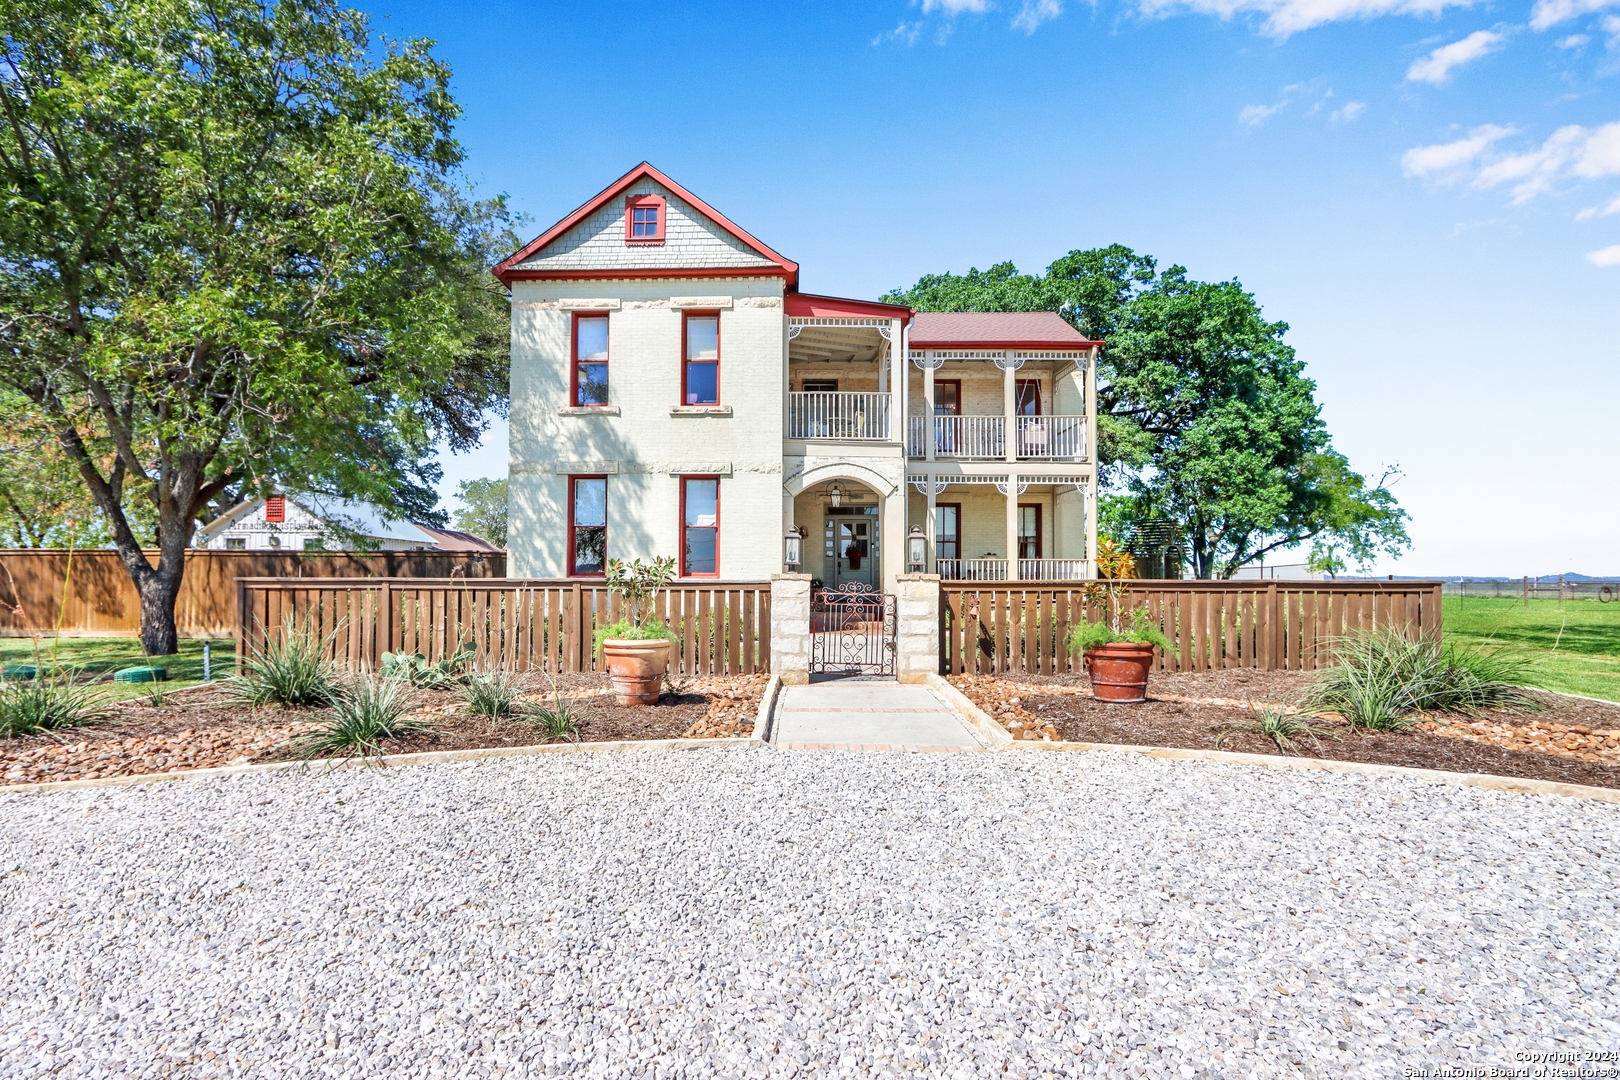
[
  {"x": 1514, "y": 784},
  {"x": 984, "y": 727}
]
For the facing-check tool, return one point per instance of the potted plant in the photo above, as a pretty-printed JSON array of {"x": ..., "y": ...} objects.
[
  {"x": 635, "y": 649},
  {"x": 1118, "y": 649}
]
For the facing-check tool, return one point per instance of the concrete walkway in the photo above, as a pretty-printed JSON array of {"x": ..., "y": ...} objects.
[{"x": 858, "y": 714}]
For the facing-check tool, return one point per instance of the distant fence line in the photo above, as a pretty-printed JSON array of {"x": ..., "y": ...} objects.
[
  {"x": 513, "y": 624},
  {"x": 101, "y": 601},
  {"x": 1266, "y": 624},
  {"x": 1529, "y": 588}
]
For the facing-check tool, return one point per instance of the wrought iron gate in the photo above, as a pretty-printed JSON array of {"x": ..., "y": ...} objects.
[{"x": 852, "y": 630}]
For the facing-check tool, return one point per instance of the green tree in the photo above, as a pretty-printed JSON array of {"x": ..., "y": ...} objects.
[
  {"x": 1204, "y": 413},
  {"x": 483, "y": 509},
  {"x": 234, "y": 255}
]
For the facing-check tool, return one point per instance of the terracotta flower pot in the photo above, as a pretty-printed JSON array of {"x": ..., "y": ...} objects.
[
  {"x": 1119, "y": 671},
  {"x": 637, "y": 668}
]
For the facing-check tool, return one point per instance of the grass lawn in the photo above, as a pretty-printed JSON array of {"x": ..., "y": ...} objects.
[
  {"x": 1574, "y": 643},
  {"x": 93, "y": 656}
]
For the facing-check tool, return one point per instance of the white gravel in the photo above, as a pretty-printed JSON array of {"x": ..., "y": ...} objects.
[{"x": 759, "y": 912}]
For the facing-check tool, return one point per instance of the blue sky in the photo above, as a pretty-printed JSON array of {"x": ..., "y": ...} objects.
[{"x": 1429, "y": 193}]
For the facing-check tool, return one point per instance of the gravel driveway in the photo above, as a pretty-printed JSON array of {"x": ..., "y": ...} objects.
[{"x": 759, "y": 912}]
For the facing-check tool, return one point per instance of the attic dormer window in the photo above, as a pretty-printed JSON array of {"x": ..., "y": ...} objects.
[{"x": 644, "y": 219}]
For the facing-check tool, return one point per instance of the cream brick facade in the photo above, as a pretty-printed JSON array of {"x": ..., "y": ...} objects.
[{"x": 772, "y": 477}]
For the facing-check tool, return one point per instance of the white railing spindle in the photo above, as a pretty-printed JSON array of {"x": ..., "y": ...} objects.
[{"x": 838, "y": 416}]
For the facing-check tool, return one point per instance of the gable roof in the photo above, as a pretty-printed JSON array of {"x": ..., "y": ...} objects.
[
  {"x": 510, "y": 269},
  {"x": 995, "y": 330},
  {"x": 358, "y": 517},
  {"x": 456, "y": 539}
]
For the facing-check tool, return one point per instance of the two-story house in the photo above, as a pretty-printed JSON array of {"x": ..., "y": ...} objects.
[{"x": 674, "y": 393}]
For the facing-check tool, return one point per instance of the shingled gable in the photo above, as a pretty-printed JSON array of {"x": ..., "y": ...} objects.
[{"x": 698, "y": 242}]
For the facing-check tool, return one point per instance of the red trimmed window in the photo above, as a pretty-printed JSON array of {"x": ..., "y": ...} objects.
[
  {"x": 589, "y": 383},
  {"x": 700, "y": 373},
  {"x": 1029, "y": 531},
  {"x": 700, "y": 526},
  {"x": 587, "y": 526},
  {"x": 947, "y": 530},
  {"x": 275, "y": 509},
  {"x": 644, "y": 219}
]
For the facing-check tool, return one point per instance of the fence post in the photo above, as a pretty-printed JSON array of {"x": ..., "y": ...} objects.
[
  {"x": 384, "y": 637},
  {"x": 916, "y": 627},
  {"x": 1273, "y": 635},
  {"x": 790, "y": 627},
  {"x": 241, "y": 622},
  {"x": 574, "y": 619}
]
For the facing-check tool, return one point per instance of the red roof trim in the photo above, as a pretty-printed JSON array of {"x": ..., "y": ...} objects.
[
  {"x": 811, "y": 306},
  {"x": 1046, "y": 345},
  {"x": 671, "y": 272},
  {"x": 503, "y": 269}
]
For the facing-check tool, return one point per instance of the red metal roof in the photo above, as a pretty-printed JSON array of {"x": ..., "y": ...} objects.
[
  {"x": 810, "y": 305},
  {"x": 995, "y": 330},
  {"x": 456, "y": 540}
]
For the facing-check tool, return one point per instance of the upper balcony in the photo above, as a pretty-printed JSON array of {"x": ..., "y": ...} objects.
[
  {"x": 1038, "y": 438},
  {"x": 862, "y": 417}
]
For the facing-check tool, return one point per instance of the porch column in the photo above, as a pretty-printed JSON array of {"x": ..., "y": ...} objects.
[
  {"x": 892, "y": 536},
  {"x": 899, "y": 365},
  {"x": 1091, "y": 492},
  {"x": 1009, "y": 403},
  {"x": 788, "y": 513},
  {"x": 928, "y": 408},
  {"x": 1012, "y": 522},
  {"x": 930, "y": 527}
]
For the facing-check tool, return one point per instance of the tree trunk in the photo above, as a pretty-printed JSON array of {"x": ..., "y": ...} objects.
[{"x": 159, "y": 634}]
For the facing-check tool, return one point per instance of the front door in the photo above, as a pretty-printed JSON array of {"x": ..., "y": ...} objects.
[{"x": 856, "y": 546}]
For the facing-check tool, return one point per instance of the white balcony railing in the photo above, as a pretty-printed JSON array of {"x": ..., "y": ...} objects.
[
  {"x": 1051, "y": 436},
  {"x": 838, "y": 416},
  {"x": 1028, "y": 569},
  {"x": 1039, "y": 437}
]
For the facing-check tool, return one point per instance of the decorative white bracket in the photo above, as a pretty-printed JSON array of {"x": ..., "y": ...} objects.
[
  {"x": 1010, "y": 361},
  {"x": 1023, "y": 486},
  {"x": 885, "y": 331},
  {"x": 923, "y": 483},
  {"x": 927, "y": 361},
  {"x": 794, "y": 331}
]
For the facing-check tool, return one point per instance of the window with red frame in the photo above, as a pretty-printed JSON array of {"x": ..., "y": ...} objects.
[
  {"x": 700, "y": 526},
  {"x": 700, "y": 380},
  {"x": 1028, "y": 393},
  {"x": 275, "y": 509},
  {"x": 644, "y": 219},
  {"x": 590, "y": 380},
  {"x": 587, "y": 525}
]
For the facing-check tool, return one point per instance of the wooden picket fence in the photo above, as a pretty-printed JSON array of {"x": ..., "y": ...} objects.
[
  {"x": 1270, "y": 625},
  {"x": 513, "y": 624}
]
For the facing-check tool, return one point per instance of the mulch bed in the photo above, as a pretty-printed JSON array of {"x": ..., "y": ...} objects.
[
  {"x": 202, "y": 728},
  {"x": 1573, "y": 741}
]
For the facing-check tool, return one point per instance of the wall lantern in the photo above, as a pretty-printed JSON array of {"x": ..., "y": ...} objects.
[
  {"x": 917, "y": 545},
  {"x": 836, "y": 494},
  {"x": 792, "y": 539}
]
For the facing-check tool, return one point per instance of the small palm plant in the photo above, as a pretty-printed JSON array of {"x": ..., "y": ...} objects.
[
  {"x": 494, "y": 694},
  {"x": 291, "y": 668},
  {"x": 46, "y": 704},
  {"x": 363, "y": 713},
  {"x": 559, "y": 720},
  {"x": 1286, "y": 729}
]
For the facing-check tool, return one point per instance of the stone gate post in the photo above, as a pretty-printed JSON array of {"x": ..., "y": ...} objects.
[
  {"x": 916, "y": 600},
  {"x": 790, "y": 628}
]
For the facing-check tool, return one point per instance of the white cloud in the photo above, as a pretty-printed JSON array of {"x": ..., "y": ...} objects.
[
  {"x": 1348, "y": 112},
  {"x": 1437, "y": 67},
  {"x": 1599, "y": 211},
  {"x": 1285, "y": 17},
  {"x": 1035, "y": 12},
  {"x": 955, "y": 7},
  {"x": 906, "y": 33},
  {"x": 1255, "y": 115},
  {"x": 1552, "y": 12},
  {"x": 1611, "y": 26},
  {"x": 1443, "y": 157},
  {"x": 1609, "y": 256},
  {"x": 1574, "y": 41}
]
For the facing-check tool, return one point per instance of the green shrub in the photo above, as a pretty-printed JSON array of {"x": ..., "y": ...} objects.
[
  {"x": 1141, "y": 630},
  {"x": 559, "y": 720},
  {"x": 493, "y": 694},
  {"x": 362, "y": 714},
  {"x": 1284, "y": 728},
  {"x": 1380, "y": 678},
  {"x": 625, "y": 630},
  {"x": 33, "y": 706},
  {"x": 290, "y": 669}
]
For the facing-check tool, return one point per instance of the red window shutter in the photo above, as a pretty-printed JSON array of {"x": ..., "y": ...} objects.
[{"x": 275, "y": 509}]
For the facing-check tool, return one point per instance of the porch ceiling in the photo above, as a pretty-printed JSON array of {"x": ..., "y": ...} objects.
[{"x": 835, "y": 344}]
